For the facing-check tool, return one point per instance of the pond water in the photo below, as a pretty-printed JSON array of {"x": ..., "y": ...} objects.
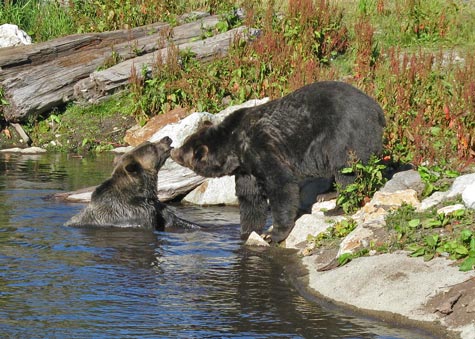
[{"x": 61, "y": 282}]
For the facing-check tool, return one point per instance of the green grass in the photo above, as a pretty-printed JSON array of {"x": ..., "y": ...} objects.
[
  {"x": 42, "y": 20},
  {"x": 81, "y": 129}
]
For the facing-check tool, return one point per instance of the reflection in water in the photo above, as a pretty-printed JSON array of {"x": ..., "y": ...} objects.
[{"x": 60, "y": 282}]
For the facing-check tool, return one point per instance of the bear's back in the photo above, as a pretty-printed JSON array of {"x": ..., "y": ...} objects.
[{"x": 317, "y": 126}]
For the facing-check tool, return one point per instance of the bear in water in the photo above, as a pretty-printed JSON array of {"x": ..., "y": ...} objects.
[
  {"x": 129, "y": 197},
  {"x": 278, "y": 150}
]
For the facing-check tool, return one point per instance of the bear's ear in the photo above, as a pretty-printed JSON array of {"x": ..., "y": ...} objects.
[
  {"x": 200, "y": 153},
  {"x": 133, "y": 167},
  {"x": 207, "y": 123}
]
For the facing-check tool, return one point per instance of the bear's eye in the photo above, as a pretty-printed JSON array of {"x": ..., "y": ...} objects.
[
  {"x": 201, "y": 152},
  {"x": 133, "y": 167}
]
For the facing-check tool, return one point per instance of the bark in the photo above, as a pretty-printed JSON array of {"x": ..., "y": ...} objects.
[
  {"x": 106, "y": 82},
  {"x": 37, "y": 78}
]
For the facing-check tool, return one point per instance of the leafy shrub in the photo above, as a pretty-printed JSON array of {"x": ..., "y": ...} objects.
[{"x": 368, "y": 179}]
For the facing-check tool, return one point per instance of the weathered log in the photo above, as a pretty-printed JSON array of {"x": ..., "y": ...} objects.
[
  {"x": 16, "y": 59},
  {"x": 106, "y": 82},
  {"x": 37, "y": 89}
]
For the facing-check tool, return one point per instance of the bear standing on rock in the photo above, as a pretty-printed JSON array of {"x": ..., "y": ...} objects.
[
  {"x": 129, "y": 198},
  {"x": 275, "y": 150}
]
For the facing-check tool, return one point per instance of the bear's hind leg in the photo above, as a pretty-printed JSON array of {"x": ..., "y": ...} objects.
[{"x": 311, "y": 191}]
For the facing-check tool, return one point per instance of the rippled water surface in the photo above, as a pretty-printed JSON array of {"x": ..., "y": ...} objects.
[{"x": 60, "y": 282}]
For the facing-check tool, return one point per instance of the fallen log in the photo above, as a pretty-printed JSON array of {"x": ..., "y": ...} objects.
[
  {"x": 173, "y": 181},
  {"x": 16, "y": 59},
  {"x": 36, "y": 89},
  {"x": 106, "y": 82}
]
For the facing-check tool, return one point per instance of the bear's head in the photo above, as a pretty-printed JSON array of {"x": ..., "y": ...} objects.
[
  {"x": 208, "y": 152},
  {"x": 141, "y": 165}
]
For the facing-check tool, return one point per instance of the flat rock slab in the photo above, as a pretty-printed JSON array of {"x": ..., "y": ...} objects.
[{"x": 392, "y": 283}]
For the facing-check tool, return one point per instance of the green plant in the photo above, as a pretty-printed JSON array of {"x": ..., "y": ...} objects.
[
  {"x": 367, "y": 179},
  {"x": 428, "y": 234},
  {"x": 334, "y": 232},
  {"x": 435, "y": 178}
]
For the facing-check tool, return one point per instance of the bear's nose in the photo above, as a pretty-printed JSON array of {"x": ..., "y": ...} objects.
[{"x": 176, "y": 156}]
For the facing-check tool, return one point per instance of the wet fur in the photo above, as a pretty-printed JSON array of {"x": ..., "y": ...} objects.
[{"x": 129, "y": 197}]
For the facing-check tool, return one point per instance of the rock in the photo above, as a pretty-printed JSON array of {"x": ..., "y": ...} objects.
[
  {"x": 460, "y": 184},
  {"x": 383, "y": 202},
  {"x": 468, "y": 196},
  {"x": 136, "y": 135},
  {"x": 121, "y": 150},
  {"x": 180, "y": 130},
  {"x": 435, "y": 199},
  {"x": 308, "y": 224},
  {"x": 11, "y": 35},
  {"x": 29, "y": 150},
  {"x": 214, "y": 191},
  {"x": 372, "y": 216},
  {"x": 356, "y": 240},
  {"x": 392, "y": 283},
  {"x": 250, "y": 103},
  {"x": 174, "y": 181},
  {"x": 255, "y": 239},
  {"x": 450, "y": 209},
  {"x": 80, "y": 197},
  {"x": 321, "y": 207},
  {"x": 404, "y": 180}
]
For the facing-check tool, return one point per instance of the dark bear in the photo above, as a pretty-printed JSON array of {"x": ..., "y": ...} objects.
[
  {"x": 129, "y": 197},
  {"x": 278, "y": 150}
]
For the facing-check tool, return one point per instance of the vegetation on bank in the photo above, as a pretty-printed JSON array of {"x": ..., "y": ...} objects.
[{"x": 415, "y": 57}]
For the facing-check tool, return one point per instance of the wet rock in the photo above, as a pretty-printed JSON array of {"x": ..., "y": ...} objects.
[
  {"x": 29, "y": 150},
  {"x": 11, "y": 35},
  {"x": 255, "y": 239},
  {"x": 214, "y": 191}
]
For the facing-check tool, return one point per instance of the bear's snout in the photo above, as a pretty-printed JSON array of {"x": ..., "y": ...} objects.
[
  {"x": 177, "y": 156},
  {"x": 166, "y": 140}
]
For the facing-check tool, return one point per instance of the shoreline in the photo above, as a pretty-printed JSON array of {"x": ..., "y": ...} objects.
[{"x": 298, "y": 274}]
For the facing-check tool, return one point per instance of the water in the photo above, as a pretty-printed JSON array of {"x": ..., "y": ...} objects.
[{"x": 60, "y": 282}]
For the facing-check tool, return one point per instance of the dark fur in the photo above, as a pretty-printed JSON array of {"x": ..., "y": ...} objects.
[
  {"x": 129, "y": 197},
  {"x": 279, "y": 149}
]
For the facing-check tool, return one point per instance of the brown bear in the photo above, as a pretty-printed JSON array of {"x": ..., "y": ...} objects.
[
  {"x": 278, "y": 150},
  {"x": 129, "y": 197}
]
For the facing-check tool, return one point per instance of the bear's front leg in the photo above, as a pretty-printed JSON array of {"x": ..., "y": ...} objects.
[
  {"x": 252, "y": 204},
  {"x": 284, "y": 200}
]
